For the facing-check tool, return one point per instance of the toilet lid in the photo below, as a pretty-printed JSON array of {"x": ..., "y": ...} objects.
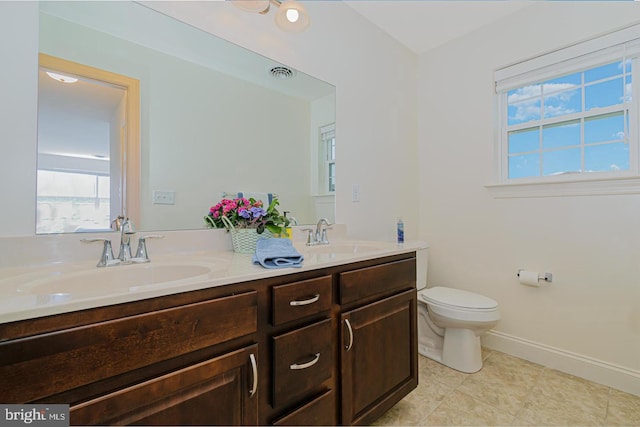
[{"x": 458, "y": 298}]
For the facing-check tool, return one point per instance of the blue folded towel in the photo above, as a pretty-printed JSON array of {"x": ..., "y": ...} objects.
[{"x": 276, "y": 253}]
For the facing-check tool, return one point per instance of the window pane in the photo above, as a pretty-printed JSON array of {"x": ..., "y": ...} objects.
[
  {"x": 524, "y": 140},
  {"x": 524, "y": 112},
  {"x": 522, "y": 93},
  {"x": 332, "y": 177},
  {"x": 66, "y": 184},
  {"x": 559, "y": 161},
  {"x": 608, "y": 127},
  {"x": 563, "y": 103},
  {"x": 70, "y": 202},
  {"x": 562, "y": 84},
  {"x": 603, "y": 72},
  {"x": 603, "y": 94},
  {"x": 606, "y": 157},
  {"x": 627, "y": 90},
  {"x": 524, "y": 165},
  {"x": 561, "y": 135},
  {"x": 104, "y": 189}
]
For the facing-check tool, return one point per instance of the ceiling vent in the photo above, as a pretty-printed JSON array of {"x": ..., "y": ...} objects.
[{"x": 282, "y": 73}]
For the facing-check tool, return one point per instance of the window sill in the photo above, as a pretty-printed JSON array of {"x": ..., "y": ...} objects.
[{"x": 599, "y": 187}]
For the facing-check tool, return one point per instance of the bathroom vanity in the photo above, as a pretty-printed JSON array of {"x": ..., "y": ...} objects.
[{"x": 331, "y": 343}]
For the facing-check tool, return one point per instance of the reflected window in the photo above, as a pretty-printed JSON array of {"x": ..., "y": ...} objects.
[
  {"x": 328, "y": 167},
  {"x": 72, "y": 202}
]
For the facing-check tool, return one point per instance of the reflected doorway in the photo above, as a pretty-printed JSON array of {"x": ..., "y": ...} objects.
[{"x": 88, "y": 147}]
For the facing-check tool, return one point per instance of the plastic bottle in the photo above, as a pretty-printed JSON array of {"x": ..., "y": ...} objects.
[{"x": 400, "y": 231}]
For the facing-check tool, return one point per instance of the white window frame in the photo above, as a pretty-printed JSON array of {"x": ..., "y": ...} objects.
[
  {"x": 619, "y": 45},
  {"x": 327, "y": 133}
]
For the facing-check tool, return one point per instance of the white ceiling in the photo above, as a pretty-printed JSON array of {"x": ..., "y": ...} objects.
[{"x": 424, "y": 24}]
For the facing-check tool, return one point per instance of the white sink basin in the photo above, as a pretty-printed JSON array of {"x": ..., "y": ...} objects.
[
  {"x": 342, "y": 248},
  {"x": 124, "y": 278}
]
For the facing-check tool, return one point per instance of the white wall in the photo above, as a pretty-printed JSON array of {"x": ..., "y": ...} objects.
[
  {"x": 18, "y": 117},
  {"x": 588, "y": 320}
]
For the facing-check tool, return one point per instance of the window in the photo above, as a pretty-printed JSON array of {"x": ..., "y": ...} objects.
[
  {"x": 328, "y": 158},
  {"x": 71, "y": 202},
  {"x": 571, "y": 115}
]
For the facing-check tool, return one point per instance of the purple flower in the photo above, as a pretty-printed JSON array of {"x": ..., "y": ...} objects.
[
  {"x": 244, "y": 213},
  {"x": 258, "y": 212}
]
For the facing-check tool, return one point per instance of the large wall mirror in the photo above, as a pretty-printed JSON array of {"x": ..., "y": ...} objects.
[{"x": 215, "y": 119}]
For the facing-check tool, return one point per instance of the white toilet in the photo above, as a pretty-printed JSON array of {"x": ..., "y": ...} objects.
[{"x": 450, "y": 322}]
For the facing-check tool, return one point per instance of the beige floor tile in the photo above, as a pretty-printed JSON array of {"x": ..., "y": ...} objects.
[
  {"x": 563, "y": 399},
  {"x": 432, "y": 370},
  {"x": 510, "y": 391},
  {"x": 460, "y": 409},
  {"x": 417, "y": 405},
  {"x": 623, "y": 410},
  {"x": 504, "y": 382}
]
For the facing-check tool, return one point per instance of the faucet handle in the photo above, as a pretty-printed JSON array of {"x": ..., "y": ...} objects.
[
  {"x": 106, "y": 258},
  {"x": 141, "y": 253},
  {"x": 324, "y": 239},
  {"x": 311, "y": 240}
]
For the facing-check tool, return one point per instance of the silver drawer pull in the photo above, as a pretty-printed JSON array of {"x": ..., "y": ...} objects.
[
  {"x": 348, "y": 346},
  {"x": 311, "y": 300},
  {"x": 306, "y": 365},
  {"x": 254, "y": 371}
]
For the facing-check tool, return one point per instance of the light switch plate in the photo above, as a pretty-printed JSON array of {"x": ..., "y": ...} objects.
[{"x": 164, "y": 197}]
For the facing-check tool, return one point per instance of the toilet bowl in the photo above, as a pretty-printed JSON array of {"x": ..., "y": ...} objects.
[{"x": 450, "y": 322}]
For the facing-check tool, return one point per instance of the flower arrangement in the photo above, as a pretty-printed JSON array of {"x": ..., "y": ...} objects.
[{"x": 247, "y": 213}]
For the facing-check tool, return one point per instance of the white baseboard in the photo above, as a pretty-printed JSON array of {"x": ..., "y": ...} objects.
[{"x": 618, "y": 377}]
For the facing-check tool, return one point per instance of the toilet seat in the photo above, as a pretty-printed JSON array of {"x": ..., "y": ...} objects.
[{"x": 458, "y": 299}]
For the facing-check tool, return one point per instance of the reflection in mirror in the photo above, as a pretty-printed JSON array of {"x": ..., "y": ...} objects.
[
  {"x": 83, "y": 119},
  {"x": 213, "y": 118}
]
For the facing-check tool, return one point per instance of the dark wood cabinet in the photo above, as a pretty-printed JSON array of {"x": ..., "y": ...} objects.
[
  {"x": 219, "y": 391},
  {"x": 267, "y": 351},
  {"x": 379, "y": 362}
]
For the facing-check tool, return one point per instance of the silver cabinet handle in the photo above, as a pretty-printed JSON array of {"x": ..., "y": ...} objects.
[
  {"x": 348, "y": 346},
  {"x": 311, "y": 300},
  {"x": 254, "y": 368},
  {"x": 306, "y": 365}
]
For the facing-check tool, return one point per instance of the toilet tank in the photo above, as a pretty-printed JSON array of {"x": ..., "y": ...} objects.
[{"x": 422, "y": 258}]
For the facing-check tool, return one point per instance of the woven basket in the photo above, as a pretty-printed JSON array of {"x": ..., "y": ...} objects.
[{"x": 244, "y": 239}]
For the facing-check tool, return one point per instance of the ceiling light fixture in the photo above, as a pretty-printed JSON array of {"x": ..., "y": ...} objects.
[
  {"x": 61, "y": 77},
  {"x": 291, "y": 15}
]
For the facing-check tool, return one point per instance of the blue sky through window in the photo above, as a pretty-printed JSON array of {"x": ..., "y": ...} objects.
[{"x": 572, "y": 123}]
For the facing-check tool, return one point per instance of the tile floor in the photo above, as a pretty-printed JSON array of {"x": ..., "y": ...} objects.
[{"x": 509, "y": 391}]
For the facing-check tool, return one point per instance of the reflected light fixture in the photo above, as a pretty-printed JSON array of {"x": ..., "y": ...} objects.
[
  {"x": 61, "y": 77},
  {"x": 291, "y": 15}
]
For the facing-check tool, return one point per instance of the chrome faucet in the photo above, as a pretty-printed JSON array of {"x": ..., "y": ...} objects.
[
  {"x": 319, "y": 237},
  {"x": 321, "y": 233},
  {"x": 106, "y": 258},
  {"x": 127, "y": 229},
  {"x": 141, "y": 254}
]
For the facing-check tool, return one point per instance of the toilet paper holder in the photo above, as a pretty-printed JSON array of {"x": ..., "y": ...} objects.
[{"x": 547, "y": 277}]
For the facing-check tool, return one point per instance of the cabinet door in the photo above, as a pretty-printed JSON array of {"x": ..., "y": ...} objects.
[
  {"x": 219, "y": 391},
  {"x": 379, "y": 357}
]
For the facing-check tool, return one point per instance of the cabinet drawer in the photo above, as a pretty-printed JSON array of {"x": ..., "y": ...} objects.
[
  {"x": 319, "y": 412},
  {"x": 302, "y": 360},
  {"x": 301, "y": 299},
  {"x": 79, "y": 356},
  {"x": 213, "y": 392},
  {"x": 379, "y": 280}
]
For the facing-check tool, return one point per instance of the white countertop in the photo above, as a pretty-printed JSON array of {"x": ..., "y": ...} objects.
[{"x": 28, "y": 291}]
